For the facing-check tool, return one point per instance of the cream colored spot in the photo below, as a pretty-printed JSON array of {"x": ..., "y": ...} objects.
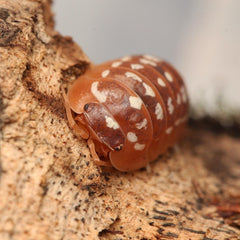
[
  {"x": 185, "y": 118},
  {"x": 168, "y": 76},
  {"x": 99, "y": 95},
  {"x": 152, "y": 58},
  {"x": 178, "y": 122},
  {"x": 139, "y": 147},
  {"x": 127, "y": 58},
  {"x": 136, "y": 66},
  {"x": 111, "y": 123},
  {"x": 170, "y": 106},
  {"x": 132, "y": 137},
  {"x": 116, "y": 64},
  {"x": 149, "y": 62},
  {"x": 161, "y": 82},
  {"x": 133, "y": 76},
  {"x": 135, "y": 102},
  {"x": 181, "y": 120},
  {"x": 179, "y": 99},
  {"x": 142, "y": 124},
  {"x": 149, "y": 91},
  {"x": 169, "y": 130},
  {"x": 184, "y": 95},
  {"x": 105, "y": 73},
  {"x": 159, "y": 111}
]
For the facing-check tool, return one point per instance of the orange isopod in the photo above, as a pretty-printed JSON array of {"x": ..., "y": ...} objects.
[{"x": 130, "y": 110}]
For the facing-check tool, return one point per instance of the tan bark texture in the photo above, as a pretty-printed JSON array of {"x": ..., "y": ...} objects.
[{"x": 49, "y": 186}]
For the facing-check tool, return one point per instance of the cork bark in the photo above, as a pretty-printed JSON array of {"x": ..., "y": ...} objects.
[{"x": 49, "y": 186}]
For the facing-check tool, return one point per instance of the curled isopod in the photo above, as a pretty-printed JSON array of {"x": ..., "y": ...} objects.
[{"x": 130, "y": 110}]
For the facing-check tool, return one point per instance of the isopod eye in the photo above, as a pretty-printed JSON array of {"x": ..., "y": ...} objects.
[
  {"x": 118, "y": 148},
  {"x": 86, "y": 106}
]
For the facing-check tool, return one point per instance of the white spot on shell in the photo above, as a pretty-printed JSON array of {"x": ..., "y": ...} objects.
[
  {"x": 179, "y": 99},
  {"x": 185, "y": 118},
  {"x": 149, "y": 62},
  {"x": 127, "y": 58},
  {"x": 149, "y": 91},
  {"x": 136, "y": 66},
  {"x": 99, "y": 95},
  {"x": 135, "y": 102},
  {"x": 184, "y": 95},
  {"x": 169, "y": 130},
  {"x": 161, "y": 82},
  {"x": 170, "y": 106},
  {"x": 105, "y": 73},
  {"x": 168, "y": 76},
  {"x": 133, "y": 76},
  {"x": 159, "y": 111},
  {"x": 152, "y": 58},
  {"x": 131, "y": 136},
  {"x": 181, "y": 120},
  {"x": 111, "y": 123},
  {"x": 139, "y": 147},
  {"x": 116, "y": 64},
  {"x": 142, "y": 124},
  {"x": 177, "y": 122}
]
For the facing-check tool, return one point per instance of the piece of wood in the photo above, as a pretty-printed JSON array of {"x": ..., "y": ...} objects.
[{"x": 50, "y": 187}]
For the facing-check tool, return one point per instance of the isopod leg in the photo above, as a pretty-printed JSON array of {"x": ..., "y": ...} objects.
[
  {"x": 95, "y": 156},
  {"x": 83, "y": 133}
]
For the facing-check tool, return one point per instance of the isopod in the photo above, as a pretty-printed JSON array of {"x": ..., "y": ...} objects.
[{"x": 130, "y": 110}]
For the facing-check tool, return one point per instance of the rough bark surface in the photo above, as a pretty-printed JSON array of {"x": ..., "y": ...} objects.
[{"x": 49, "y": 186}]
